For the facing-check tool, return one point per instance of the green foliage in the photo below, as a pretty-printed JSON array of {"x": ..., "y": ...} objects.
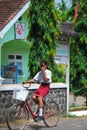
[
  {"x": 78, "y": 67},
  {"x": 59, "y": 73},
  {"x": 62, "y": 8},
  {"x": 43, "y": 35}
]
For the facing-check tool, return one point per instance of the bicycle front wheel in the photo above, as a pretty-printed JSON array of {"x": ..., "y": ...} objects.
[
  {"x": 51, "y": 114},
  {"x": 17, "y": 117}
]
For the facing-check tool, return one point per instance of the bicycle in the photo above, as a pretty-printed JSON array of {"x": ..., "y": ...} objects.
[{"x": 19, "y": 113}]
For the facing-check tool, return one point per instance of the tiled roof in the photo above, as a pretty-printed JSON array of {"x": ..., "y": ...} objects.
[{"x": 8, "y": 10}]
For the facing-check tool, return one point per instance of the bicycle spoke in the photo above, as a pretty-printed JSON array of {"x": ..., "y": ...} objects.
[
  {"x": 51, "y": 114},
  {"x": 17, "y": 117}
]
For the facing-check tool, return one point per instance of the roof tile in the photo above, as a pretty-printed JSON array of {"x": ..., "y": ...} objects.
[{"x": 8, "y": 10}]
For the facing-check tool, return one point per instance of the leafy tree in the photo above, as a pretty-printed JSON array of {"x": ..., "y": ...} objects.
[
  {"x": 62, "y": 8},
  {"x": 43, "y": 35},
  {"x": 78, "y": 65}
]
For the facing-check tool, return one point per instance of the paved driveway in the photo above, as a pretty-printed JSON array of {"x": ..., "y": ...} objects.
[{"x": 64, "y": 124}]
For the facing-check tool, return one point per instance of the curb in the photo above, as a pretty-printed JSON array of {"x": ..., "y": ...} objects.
[{"x": 79, "y": 113}]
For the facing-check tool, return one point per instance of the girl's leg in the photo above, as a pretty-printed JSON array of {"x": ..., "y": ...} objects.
[
  {"x": 40, "y": 99},
  {"x": 40, "y": 115},
  {"x": 35, "y": 99}
]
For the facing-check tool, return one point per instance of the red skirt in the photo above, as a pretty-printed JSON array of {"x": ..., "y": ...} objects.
[{"x": 43, "y": 90}]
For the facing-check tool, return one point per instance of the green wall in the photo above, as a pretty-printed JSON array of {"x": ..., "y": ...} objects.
[{"x": 16, "y": 47}]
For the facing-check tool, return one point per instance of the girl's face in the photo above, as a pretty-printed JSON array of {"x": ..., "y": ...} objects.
[{"x": 43, "y": 66}]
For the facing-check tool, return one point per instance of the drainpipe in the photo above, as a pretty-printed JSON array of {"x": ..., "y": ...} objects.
[{"x": 1, "y": 79}]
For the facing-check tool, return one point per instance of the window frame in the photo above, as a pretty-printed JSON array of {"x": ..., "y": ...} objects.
[{"x": 15, "y": 62}]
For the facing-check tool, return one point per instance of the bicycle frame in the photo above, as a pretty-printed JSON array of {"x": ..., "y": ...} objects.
[
  {"x": 29, "y": 108},
  {"x": 26, "y": 103}
]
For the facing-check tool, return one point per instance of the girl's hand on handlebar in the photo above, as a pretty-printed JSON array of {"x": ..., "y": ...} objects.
[{"x": 23, "y": 82}]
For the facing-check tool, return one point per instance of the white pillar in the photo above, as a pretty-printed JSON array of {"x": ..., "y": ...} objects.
[{"x": 67, "y": 77}]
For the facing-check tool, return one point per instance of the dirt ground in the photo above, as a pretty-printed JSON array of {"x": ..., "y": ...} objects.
[{"x": 76, "y": 101}]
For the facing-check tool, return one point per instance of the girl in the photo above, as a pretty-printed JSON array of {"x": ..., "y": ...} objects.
[{"x": 44, "y": 77}]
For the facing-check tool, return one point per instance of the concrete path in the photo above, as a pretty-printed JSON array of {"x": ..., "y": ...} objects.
[{"x": 64, "y": 124}]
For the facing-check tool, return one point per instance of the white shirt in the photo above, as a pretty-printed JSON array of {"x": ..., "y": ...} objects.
[{"x": 39, "y": 76}]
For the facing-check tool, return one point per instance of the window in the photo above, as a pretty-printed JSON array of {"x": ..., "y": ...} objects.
[{"x": 16, "y": 60}]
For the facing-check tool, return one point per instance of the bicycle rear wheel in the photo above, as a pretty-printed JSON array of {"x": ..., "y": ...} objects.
[
  {"x": 17, "y": 117},
  {"x": 51, "y": 114}
]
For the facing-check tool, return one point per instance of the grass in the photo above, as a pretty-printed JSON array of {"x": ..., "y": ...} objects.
[
  {"x": 73, "y": 108},
  {"x": 77, "y": 108},
  {"x": 68, "y": 115}
]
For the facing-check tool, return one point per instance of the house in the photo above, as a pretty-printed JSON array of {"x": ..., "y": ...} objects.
[{"x": 14, "y": 48}]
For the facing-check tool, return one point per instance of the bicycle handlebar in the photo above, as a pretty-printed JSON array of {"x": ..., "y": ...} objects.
[{"x": 26, "y": 85}]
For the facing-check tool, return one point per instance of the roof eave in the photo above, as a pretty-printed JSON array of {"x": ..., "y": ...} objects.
[{"x": 11, "y": 23}]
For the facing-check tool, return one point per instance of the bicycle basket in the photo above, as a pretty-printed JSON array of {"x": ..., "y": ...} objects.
[{"x": 20, "y": 94}]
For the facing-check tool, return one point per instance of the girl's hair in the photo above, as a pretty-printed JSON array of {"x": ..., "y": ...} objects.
[{"x": 44, "y": 62}]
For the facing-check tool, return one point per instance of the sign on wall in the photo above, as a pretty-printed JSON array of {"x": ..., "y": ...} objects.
[{"x": 20, "y": 30}]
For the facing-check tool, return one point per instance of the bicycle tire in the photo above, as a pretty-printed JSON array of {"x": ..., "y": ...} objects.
[
  {"x": 51, "y": 114},
  {"x": 16, "y": 117}
]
